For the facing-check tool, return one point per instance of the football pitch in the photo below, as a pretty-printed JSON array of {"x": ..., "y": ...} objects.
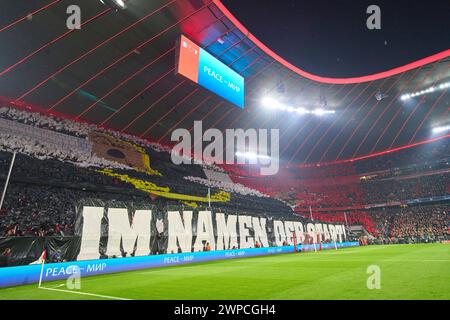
[{"x": 419, "y": 271}]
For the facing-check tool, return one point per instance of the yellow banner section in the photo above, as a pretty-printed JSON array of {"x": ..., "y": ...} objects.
[
  {"x": 152, "y": 188},
  {"x": 111, "y": 148},
  {"x": 190, "y": 204}
]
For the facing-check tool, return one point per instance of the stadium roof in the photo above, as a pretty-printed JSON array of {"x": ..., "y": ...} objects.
[{"x": 118, "y": 72}]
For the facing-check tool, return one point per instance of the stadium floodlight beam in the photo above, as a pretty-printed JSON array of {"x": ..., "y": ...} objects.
[
  {"x": 251, "y": 155},
  {"x": 301, "y": 111},
  {"x": 115, "y": 4},
  {"x": 271, "y": 103},
  {"x": 321, "y": 112},
  {"x": 441, "y": 129},
  {"x": 442, "y": 86}
]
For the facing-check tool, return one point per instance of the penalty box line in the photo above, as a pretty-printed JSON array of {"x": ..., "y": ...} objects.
[{"x": 84, "y": 293}]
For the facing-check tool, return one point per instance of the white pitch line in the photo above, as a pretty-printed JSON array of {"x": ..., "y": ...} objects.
[
  {"x": 84, "y": 293},
  {"x": 417, "y": 260}
]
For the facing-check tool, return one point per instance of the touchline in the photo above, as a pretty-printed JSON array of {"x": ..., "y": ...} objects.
[{"x": 249, "y": 146}]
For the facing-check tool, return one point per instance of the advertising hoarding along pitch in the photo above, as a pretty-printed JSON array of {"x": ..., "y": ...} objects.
[
  {"x": 22, "y": 275},
  {"x": 203, "y": 68}
]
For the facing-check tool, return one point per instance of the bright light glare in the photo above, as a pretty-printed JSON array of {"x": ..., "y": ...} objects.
[
  {"x": 441, "y": 129},
  {"x": 120, "y": 3},
  {"x": 251, "y": 155},
  {"x": 321, "y": 112},
  {"x": 271, "y": 103},
  {"x": 442, "y": 86}
]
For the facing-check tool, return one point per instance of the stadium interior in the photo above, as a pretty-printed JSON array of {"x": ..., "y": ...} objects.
[{"x": 89, "y": 115}]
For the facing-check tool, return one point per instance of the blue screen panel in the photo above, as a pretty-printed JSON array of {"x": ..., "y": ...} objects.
[{"x": 220, "y": 79}]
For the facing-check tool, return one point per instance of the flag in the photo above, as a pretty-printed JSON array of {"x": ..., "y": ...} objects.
[
  {"x": 41, "y": 258},
  {"x": 113, "y": 149}
]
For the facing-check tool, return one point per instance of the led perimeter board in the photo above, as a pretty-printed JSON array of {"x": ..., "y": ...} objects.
[{"x": 203, "y": 68}]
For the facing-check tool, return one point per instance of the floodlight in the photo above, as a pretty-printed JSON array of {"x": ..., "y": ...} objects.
[{"x": 115, "y": 4}]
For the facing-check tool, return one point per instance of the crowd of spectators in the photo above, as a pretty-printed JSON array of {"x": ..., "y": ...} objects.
[
  {"x": 77, "y": 129},
  {"x": 42, "y": 194},
  {"x": 391, "y": 225},
  {"x": 406, "y": 188},
  {"x": 348, "y": 218},
  {"x": 418, "y": 222},
  {"x": 37, "y": 211},
  {"x": 47, "y": 182},
  {"x": 227, "y": 186},
  {"x": 42, "y": 150},
  {"x": 415, "y": 157},
  {"x": 82, "y": 130},
  {"x": 368, "y": 190}
]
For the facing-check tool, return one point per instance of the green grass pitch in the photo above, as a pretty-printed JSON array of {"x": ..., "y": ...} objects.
[{"x": 419, "y": 271}]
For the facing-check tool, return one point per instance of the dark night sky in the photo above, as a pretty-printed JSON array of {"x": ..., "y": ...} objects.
[{"x": 330, "y": 38}]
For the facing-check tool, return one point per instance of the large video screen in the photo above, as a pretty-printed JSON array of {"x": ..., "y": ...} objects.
[{"x": 198, "y": 65}]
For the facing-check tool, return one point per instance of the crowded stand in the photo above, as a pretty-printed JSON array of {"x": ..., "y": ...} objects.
[
  {"x": 406, "y": 188},
  {"x": 412, "y": 224},
  {"x": 60, "y": 162},
  {"x": 348, "y": 218},
  {"x": 415, "y": 157},
  {"x": 48, "y": 180},
  {"x": 337, "y": 186},
  {"x": 62, "y": 184},
  {"x": 401, "y": 183}
]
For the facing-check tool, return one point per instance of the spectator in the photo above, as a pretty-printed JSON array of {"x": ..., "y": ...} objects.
[{"x": 4, "y": 257}]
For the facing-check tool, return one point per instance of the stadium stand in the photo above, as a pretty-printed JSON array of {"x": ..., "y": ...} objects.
[
  {"x": 392, "y": 185},
  {"x": 100, "y": 100},
  {"x": 104, "y": 167},
  {"x": 62, "y": 162},
  {"x": 411, "y": 224},
  {"x": 400, "y": 197}
]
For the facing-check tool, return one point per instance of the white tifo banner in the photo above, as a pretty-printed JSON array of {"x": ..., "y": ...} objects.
[{"x": 113, "y": 231}]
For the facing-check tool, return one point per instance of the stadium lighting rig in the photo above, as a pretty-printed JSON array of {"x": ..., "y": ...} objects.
[
  {"x": 251, "y": 155},
  {"x": 274, "y": 104},
  {"x": 441, "y": 129},
  {"x": 442, "y": 86},
  {"x": 115, "y": 4}
]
